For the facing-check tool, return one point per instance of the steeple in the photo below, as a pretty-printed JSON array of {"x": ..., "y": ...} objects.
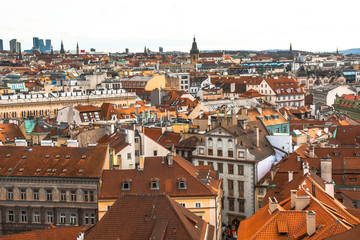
[
  {"x": 194, "y": 52},
  {"x": 194, "y": 48},
  {"x": 62, "y": 50},
  {"x": 52, "y": 50},
  {"x": 291, "y": 48},
  {"x": 145, "y": 51},
  {"x": 77, "y": 48},
  {"x": 337, "y": 51}
]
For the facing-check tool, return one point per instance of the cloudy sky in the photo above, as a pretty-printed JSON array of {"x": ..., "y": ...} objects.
[{"x": 313, "y": 25}]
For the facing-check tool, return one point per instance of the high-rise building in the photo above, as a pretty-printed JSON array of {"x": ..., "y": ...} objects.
[
  {"x": 36, "y": 44},
  {"x": 48, "y": 45},
  {"x": 126, "y": 50},
  {"x": 41, "y": 45},
  {"x": 62, "y": 50},
  {"x": 1, "y": 45},
  {"x": 161, "y": 50},
  {"x": 14, "y": 47}
]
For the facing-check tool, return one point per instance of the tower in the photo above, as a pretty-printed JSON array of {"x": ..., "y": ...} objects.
[
  {"x": 337, "y": 51},
  {"x": 62, "y": 50},
  {"x": 77, "y": 48},
  {"x": 52, "y": 50},
  {"x": 194, "y": 52},
  {"x": 290, "y": 49}
]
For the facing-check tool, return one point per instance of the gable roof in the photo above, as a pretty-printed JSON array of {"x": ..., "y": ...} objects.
[
  {"x": 47, "y": 234},
  {"x": 152, "y": 217},
  {"x": 9, "y": 132},
  {"x": 168, "y": 176}
]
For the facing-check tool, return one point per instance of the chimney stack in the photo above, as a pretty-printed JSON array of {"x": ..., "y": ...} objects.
[
  {"x": 141, "y": 162},
  {"x": 298, "y": 159},
  {"x": 291, "y": 174},
  {"x": 273, "y": 204},
  {"x": 257, "y": 137},
  {"x": 301, "y": 202},
  {"x": 326, "y": 169},
  {"x": 329, "y": 189},
  {"x": 293, "y": 195},
  {"x": 310, "y": 222},
  {"x": 312, "y": 152}
]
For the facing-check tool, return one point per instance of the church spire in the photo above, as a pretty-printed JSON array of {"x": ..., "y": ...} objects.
[
  {"x": 77, "y": 48},
  {"x": 62, "y": 50},
  {"x": 290, "y": 49},
  {"x": 194, "y": 52}
]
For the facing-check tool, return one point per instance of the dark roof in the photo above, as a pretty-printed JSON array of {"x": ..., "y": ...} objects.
[{"x": 148, "y": 217}]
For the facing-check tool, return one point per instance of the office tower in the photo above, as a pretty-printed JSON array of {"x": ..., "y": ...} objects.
[
  {"x": 1, "y": 45},
  {"x": 36, "y": 44},
  {"x": 126, "y": 50},
  {"x": 18, "y": 47},
  {"x": 161, "y": 50},
  {"x": 13, "y": 45},
  {"x": 48, "y": 45},
  {"x": 41, "y": 45}
]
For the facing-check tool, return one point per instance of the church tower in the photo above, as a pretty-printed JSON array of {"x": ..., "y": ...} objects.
[
  {"x": 291, "y": 49},
  {"x": 194, "y": 52},
  {"x": 62, "y": 50},
  {"x": 77, "y": 48}
]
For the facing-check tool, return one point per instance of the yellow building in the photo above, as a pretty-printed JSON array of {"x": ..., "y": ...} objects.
[{"x": 194, "y": 187}]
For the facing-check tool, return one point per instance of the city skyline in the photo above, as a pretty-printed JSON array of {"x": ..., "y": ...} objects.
[{"x": 230, "y": 25}]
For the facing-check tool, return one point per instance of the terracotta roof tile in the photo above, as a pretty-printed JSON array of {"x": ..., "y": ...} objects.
[{"x": 48, "y": 234}]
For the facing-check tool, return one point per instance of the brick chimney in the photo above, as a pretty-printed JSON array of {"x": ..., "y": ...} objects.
[
  {"x": 310, "y": 222},
  {"x": 290, "y": 174},
  {"x": 273, "y": 204},
  {"x": 312, "y": 152}
]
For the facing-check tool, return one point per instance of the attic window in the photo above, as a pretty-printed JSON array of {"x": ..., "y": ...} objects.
[
  {"x": 24, "y": 157},
  {"x": 68, "y": 156},
  {"x": 8, "y": 155},
  {"x": 21, "y": 169},
  {"x": 81, "y": 170},
  {"x": 64, "y": 170},
  {"x": 182, "y": 184},
  {"x": 48, "y": 170},
  {"x": 57, "y": 156},
  {"x": 83, "y": 156},
  {"x": 54, "y": 170},
  {"x": 336, "y": 154},
  {"x": 126, "y": 185},
  {"x": 10, "y": 169},
  {"x": 38, "y": 170},
  {"x": 154, "y": 185},
  {"x": 47, "y": 156}
]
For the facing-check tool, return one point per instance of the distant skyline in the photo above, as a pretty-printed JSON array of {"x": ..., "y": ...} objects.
[{"x": 112, "y": 25}]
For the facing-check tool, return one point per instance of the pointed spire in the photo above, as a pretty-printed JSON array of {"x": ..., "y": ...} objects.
[
  {"x": 337, "y": 51},
  {"x": 62, "y": 50},
  {"x": 52, "y": 50},
  {"x": 290, "y": 49},
  {"x": 77, "y": 48}
]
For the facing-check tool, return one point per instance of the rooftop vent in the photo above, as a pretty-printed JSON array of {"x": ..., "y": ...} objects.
[{"x": 24, "y": 157}]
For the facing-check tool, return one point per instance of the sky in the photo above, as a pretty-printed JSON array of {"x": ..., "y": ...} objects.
[{"x": 113, "y": 25}]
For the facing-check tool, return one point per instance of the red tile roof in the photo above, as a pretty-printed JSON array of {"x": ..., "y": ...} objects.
[
  {"x": 148, "y": 217},
  {"x": 48, "y": 234},
  {"x": 9, "y": 132},
  {"x": 87, "y": 108}
]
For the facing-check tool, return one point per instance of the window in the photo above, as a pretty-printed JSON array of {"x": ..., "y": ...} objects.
[
  {"x": 9, "y": 194},
  {"x": 23, "y": 216},
  {"x": 129, "y": 155},
  {"x": 73, "y": 218},
  {"x": 241, "y": 170},
  {"x": 183, "y": 204},
  {"x": 231, "y": 185},
  {"x": 63, "y": 195},
  {"x": 154, "y": 185},
  {"x": 336, "y": 154},
  {"x": 210, "y": 152},
  {"x": 23, "y": 194},
  {"x": 241, "y": 188},
  {"x": 10, "y": 216},
  {"x": 126, "y": 185},
  {"x": 260, "y": 204},
  {"x": 88, "y": 196},
  {"x": 284, "y": 129},
  {"x": 137, "y": 153},
  {"x": 352, "y": 179},
  {"x": 136, "y": 140},
  {"x": 219, "y": 152},
  {"x": 231, "y": 204},
  {"x": 92, "y": 218},
  {"x": 260, "y": 190},
  {"x": 210, "y": 142},
  {"x": 155, "y": 153},
  {"x": 86, "y": 218},
  {"x": 73, "y": 195},
  {"x": 240, "y": 154},
  {"x": 230, "y": 153},
  {"x": 219, "y": 143},
  {"x": 49, "y": 195},
  {"x": 182, "y": 184},
  {"x": 201, "y": 163},
  {"x": 62, "y": 218},
  {"x": 220, "y": 167},
  {"x": 198, "y": 205},
  {"x": 201, "y": 151},
  {"x": 36, "y": 217},
  {"x": 277, "y": 130},
  {"x": 241, "y": 205},
  {"x": 49, "y": 217},
  {"x": 36, "y": 194},
  {"x": 230, "y": 168}
]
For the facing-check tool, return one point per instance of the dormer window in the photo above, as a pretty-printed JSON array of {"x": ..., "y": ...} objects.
[
  {"x": 126, "y": 185},
  {"x": 337, "y": 154},
  {"x": 154, "y": 184},
  {"x": 182, "y": 184}
]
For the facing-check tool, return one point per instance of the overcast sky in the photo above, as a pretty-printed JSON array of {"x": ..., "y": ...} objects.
[{"x": 313, "y": 25}]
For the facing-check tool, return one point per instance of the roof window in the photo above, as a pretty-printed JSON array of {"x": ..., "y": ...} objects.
[
  {"x": 68, "y": 156},
  {"x": 8, "y": 155},
  {"x": 65, "y": 170},
  {"x": 57, "y": 156},
  {"x": 81, "y": 170},
  {"x": 38, "y": 170},
  {"x": 126, "y": 185},
  {"x": 47, "y": 156},
  {"x": 83, "y": 156},
  {"x": 21, "y": 169}
]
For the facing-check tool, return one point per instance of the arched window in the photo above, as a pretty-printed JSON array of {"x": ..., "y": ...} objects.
[
  {"x": 210, "y": 142},
  {"x": 62, "y": 218},
  {"x": 182, "y": 183},
  {"x": 73, "y": 218},
  {"x": 219, "y": 143},
  {"x": 154, "y": 184}
]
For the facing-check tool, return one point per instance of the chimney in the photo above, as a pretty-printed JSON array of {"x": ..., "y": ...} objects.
[
  {"x": 244, "y": 112},
  {"x": 290, "y": 175},
  {"x": 329, "y": 189},
  {"x": 170, "y": 156},
  {"x": 306, "y": 167},
  {"x": 257, "y": 137},
  {"x": 72, "y": 143},
  {"x": 312, "y": 152},
  {"x": 141, "y": 162},
  {"x": 273, "y": 204},
  {"x": 310, "y": 222},
  {"x": 301, "y": 202},
  {"x": 232, "y": 87},
  {"x": 326, "y": 169},
  {"x": 293, "y": 195},
  {"x": 298, "y": 159}
]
